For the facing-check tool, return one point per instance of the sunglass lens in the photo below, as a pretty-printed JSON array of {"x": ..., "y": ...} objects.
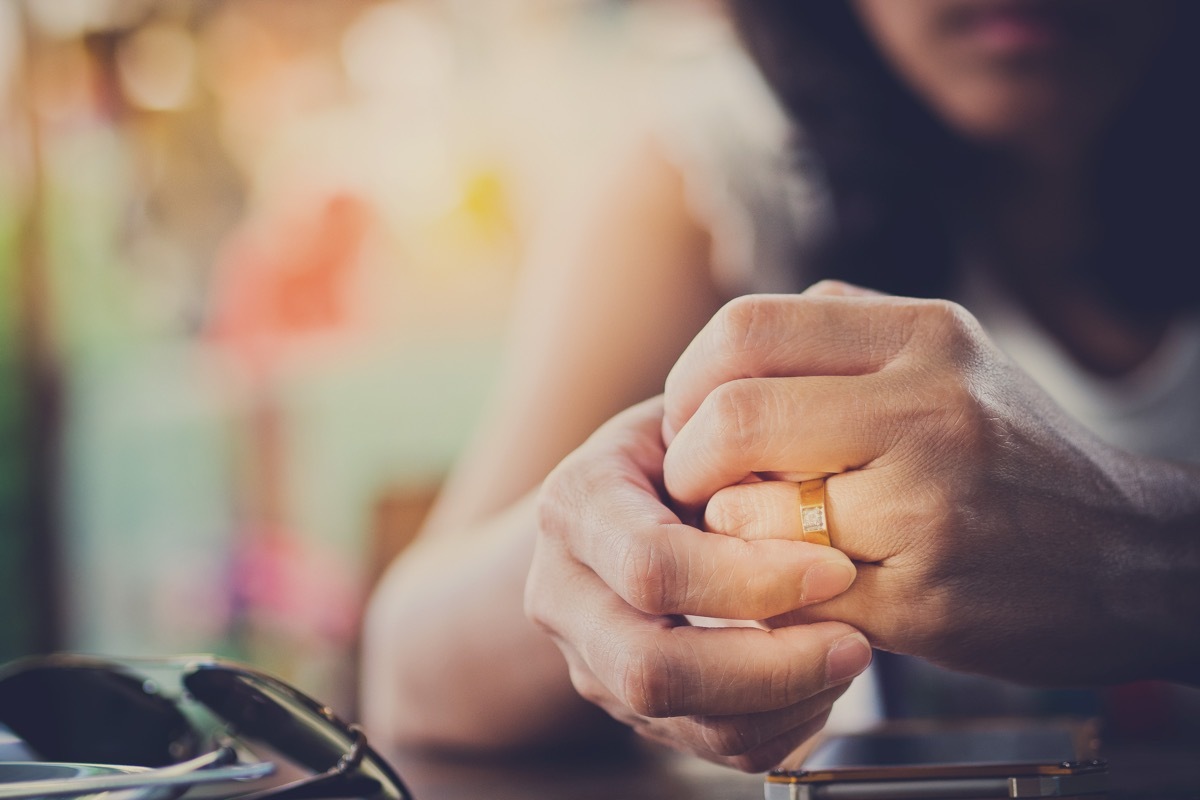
[{"x": 92, "y": 712}]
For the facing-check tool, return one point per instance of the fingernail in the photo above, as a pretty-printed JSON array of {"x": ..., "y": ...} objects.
[
  {"x": 848, "y": 657},
  {"x": 825, "y": 580}
]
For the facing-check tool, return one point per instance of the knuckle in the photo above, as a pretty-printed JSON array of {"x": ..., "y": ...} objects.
[
  {"x": 959, "y": 423},
  {"x": 738, "y": 409},
  {"x": 754, "y": 511},
  {"x": 942, "y": 414},
  {"x": 744, "y": 323},
  {"x": 950, "y": 325},
  {"x": 940, "y": 508},
  {"x": 726, "y": 514},
  {"x": 647, "y": 680},
  {"x": 828, "y": 286},
  {"x": 725, "y": 737},
  {"x": 788, "y": 683},
  {"x": 965, "y": 422},
  {"x": 650, "y": 578},
  {"x": 567, "y": 493}
]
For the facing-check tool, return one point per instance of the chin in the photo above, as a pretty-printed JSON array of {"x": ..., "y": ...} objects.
[{"x": 1022, "y": 120}]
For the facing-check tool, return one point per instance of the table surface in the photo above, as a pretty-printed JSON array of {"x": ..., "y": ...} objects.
[
  {"x": 1169, "y": 771},
  {"x": 628, "y": 775}
]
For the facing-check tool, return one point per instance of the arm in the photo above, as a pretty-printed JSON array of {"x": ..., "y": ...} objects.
[
  {"x": 992, "y": 533},
  {"x": 974, "y": 525},
  {"x": 604, "y": 309}
]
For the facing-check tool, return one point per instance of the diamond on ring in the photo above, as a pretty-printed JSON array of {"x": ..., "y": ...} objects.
[{"x": 814, "y": 527}]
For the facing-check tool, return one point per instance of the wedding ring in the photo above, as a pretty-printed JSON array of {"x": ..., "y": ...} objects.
[{"x": 814, "y": 527}]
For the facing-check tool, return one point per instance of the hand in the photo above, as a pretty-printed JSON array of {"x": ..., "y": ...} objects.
[
  {"x": 613, "y": 572},
  {"x": 991, "y": 533}
]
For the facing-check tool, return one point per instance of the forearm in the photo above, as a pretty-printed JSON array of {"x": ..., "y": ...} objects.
[{"x": 450, "y": 660}]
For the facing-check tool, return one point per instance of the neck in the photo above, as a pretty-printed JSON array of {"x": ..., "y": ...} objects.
[
  {"x": 1038, "y": 218},
  {"x": 1037, "y": 232}
]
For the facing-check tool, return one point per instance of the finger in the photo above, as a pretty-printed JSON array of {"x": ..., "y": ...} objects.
[
  {"x": 670, "y": 568},
  {"x": 750, "y": 742},
  {"x": 887, "y": 606},
  {"x": 874, "y": 516},
  {"x": 835, "y": 288},
  {"x": 779, "y": 425},
  {"x": 771, "y": 510},
  {"x": 762, "y": 336},
  {"x": 626, "y": 448},
  {"x": 771, "y": 754},
  {"x": 747, "y": 741},
  {"x": 603, "y": 505},
  {"x": 875, "y": 605},
  {"x": 658, "y": 667},
  {"x": 758, "y": 510},
  {"x": 709, "y": 735},
  {"x": 742, "y": 734},
  {"x": 762, "y": 758}
]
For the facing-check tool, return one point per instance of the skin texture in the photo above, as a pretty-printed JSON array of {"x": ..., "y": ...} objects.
[
  {"x": 976, "y": 525},
  {"x": 955, "y": 482},
  {"x": 950, "y": 474}
]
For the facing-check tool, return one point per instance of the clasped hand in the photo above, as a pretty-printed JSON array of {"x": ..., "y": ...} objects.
[{"x": 955, "y": 488}]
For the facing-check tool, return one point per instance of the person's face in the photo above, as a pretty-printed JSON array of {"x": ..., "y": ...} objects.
[{"x": 1037, "y": 75}]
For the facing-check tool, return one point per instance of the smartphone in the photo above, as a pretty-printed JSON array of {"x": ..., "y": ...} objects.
[{"x": 931, "y": 761}]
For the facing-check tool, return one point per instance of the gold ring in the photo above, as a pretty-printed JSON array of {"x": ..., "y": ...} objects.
[{"x": 814, "y": 527}]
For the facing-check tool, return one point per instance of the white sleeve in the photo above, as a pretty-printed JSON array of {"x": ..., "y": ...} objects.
[{"x": 745, "y": 170}]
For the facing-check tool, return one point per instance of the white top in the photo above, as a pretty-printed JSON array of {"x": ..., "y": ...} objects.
[
  {"x": 1153, "y": 410},
  {"x": 760, "y": 198},
  {"x": 763, "y": 204}
]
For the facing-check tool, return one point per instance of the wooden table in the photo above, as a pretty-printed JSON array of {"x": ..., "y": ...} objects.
[
  {"x": 1169, "y": 771},
  {"x": 626, "y": 775}
]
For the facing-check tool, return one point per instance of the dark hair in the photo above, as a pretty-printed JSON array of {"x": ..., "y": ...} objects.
[{"x": 896, "y": 172}]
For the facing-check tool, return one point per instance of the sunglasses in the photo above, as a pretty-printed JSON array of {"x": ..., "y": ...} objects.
[{"x": 187, "y": 717}]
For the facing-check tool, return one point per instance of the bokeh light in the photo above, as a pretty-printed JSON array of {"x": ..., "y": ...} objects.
[{"x": 260, "y": 256}]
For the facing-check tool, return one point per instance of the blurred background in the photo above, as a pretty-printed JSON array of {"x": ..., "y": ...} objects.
[{"x": 256, "y": 259}]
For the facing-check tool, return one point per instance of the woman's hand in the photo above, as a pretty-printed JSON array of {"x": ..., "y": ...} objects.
[
  {"x": 990, "y": 532},
  {"x": 614, "y": 571}
]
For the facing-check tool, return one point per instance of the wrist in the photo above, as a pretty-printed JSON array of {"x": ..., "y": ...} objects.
[{"x": 1155, "y": 552}]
